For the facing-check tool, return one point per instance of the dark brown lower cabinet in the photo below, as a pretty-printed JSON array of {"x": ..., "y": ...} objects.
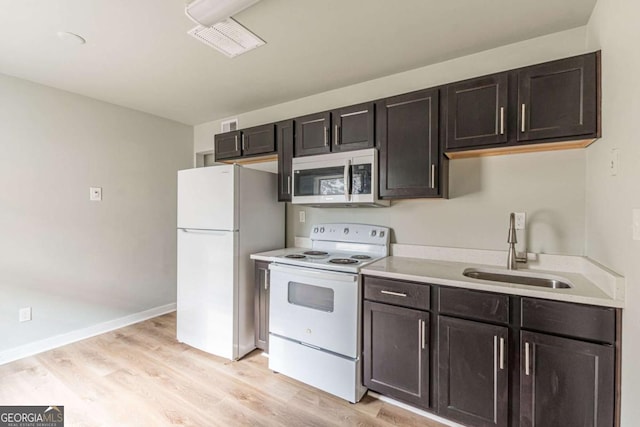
[
  {"x": 565, "y": 382},
  {"x": 396, "y": 352},
  {"x": 261, "y": 305},
  {"x": 473, "y": 372}
]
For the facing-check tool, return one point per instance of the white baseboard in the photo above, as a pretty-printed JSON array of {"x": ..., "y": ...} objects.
[
  {"x": 413, "y": 409},
  {"x": 81, "y": 334}
]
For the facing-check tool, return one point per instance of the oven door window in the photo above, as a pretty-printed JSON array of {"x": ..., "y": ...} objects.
[
  {"x": 310, "y": 296},
  {"x": 319, "y": 182}
]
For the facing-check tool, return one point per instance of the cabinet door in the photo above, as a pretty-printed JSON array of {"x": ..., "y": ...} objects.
[
  {"x": 565, "y": 382},
  {"x": 353, "y": 127},
  {"x": 284, "y": 140},
  {"x": 258, "y": 140},
  {"x": 261, "y": 305},
  {"x": 477, "y": 112},
  {"x": 227, "y": 145},
  {"x": 473, "y": 372},
  {"x": 558, "y": 99},
  {"x": 396, "y": 352},
  {"x": 313, "y": 134},
  {"x": 407, "y": 128}
]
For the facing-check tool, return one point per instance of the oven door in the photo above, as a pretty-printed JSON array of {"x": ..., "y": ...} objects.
[
  {"x": 315, "y": 307},
  {"x": 339, "y": 178}
]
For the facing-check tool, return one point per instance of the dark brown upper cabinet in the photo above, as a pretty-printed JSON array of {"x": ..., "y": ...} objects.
[
  {"x": 284, "y": 141},
  {"x": 258, "y": 140},
  {"x": 408, "y": 136},
  {"x": 353, "y": 127},
  {"x": 254, "y": 141},
  {"x": 525, "y": 109},
  {"x": 313, "y": 134},
  {"x": 227, "y": 145},
  {"x": 476, "y": 112},
  {"x": 558, "y": 99},
  {"x": 342, "y": 129}
]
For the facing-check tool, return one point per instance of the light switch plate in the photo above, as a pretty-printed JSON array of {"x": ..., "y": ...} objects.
[
  {"x": 95, "y": 194},
  {"x": 636, "y": 224},
  {"x": 614, "y": 161},
  {"x": 302, "y": 216},
  {"x": 521, "y": 220}
]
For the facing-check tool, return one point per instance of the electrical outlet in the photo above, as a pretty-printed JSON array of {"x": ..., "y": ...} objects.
[
  {"x": 95, "y": 194},
  {"x": 636, "y": 224},
  {"x": 302, "y": 216},
  {"x": 521, "y": 220},
  {"x": 24, "y": 315}
]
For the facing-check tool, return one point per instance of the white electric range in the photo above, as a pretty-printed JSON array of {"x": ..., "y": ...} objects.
[{"x": 315, "y": 307}]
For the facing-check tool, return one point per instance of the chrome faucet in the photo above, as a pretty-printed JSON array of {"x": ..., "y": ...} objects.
[{"x": 512, "y": 258}]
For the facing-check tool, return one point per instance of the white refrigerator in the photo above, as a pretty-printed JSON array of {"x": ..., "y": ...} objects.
[{"x": 225, "y": 213}]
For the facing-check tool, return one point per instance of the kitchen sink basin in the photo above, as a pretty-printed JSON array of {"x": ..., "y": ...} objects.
[{"x": 519, "y": 277}]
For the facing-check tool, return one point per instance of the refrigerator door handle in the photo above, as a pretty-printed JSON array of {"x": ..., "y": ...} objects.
[{"x": 200, "y": 230}]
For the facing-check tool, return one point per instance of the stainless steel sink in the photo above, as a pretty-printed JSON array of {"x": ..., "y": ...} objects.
[{"x": 519, "y": 277}]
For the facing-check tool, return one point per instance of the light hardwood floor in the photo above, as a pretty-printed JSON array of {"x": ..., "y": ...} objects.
[{"x": 141, "y": 376}]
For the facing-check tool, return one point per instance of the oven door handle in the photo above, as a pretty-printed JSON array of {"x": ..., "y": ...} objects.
[{"x": 310, "y": 272}]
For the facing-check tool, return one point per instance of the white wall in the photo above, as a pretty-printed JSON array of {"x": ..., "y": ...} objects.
[
  {"x": 610, "y": 199},
  {"x": 76, "y": 262},
  {"x": 548, "y": 186}
]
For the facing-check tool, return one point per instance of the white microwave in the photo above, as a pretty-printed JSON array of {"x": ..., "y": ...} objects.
[{"x": 338, "y": 179}]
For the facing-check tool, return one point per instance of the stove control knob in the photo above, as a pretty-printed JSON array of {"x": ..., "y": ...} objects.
[
  {"x": 381, "y": 234},
  {"x": 346, "y": 230},
  {"x": 322, "y": 229},
  {"x": 373, "y": 233},
  {"x": 315, "y": 230}
]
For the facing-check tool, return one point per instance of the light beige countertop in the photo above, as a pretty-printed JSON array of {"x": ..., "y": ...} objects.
[{"x": 448, "y": 273}]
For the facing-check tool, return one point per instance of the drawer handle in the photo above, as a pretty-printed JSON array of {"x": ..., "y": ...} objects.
[
  {"x": 526, "y": 358},
  {"x": 395, "y": 294}
]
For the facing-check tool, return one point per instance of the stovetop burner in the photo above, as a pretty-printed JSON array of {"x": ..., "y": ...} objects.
[
  {"x": 361, "y": 257},
  {"x": 316, "y": 253},
  {"x": 342, "y": 261},
  {"x": 295, "y": 256}
]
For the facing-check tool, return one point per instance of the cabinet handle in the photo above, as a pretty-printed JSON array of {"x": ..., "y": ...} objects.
[
  {"x": 423, "y": 333},
  {"x": 501, "y": 353},
  {"x": 289, "y": 184},
  {"x": 526, "y": 358},
  {"x": 236, "y": 140},
  {"x": 243, "y": 142},
  {"x": 336, "y": 137},
  {"x": 501, "y": 120},
  {"x": 495, "y": 376},
  {"x": 523, "y": 115},
  {"x": 395, "y": 294},
  {"x": 326, "y": 136},
  {"x": 266, "y": 280},
  {"x": 433, "y": 175}
]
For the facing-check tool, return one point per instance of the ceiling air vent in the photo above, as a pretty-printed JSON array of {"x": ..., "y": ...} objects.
[{"x": 228, "y": 37}]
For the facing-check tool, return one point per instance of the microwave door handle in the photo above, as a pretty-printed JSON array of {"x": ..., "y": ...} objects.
[{"x": 347, "y": 181}]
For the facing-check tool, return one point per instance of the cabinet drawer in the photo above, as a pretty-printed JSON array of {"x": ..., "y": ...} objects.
[
  {"x": 406, "y": 294},
  {"x": 474, "y": 304},
  {"x": 574, "y": 320}
]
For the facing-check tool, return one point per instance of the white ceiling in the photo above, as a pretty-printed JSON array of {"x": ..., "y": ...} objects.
[{"x": 138, "y": 54}]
